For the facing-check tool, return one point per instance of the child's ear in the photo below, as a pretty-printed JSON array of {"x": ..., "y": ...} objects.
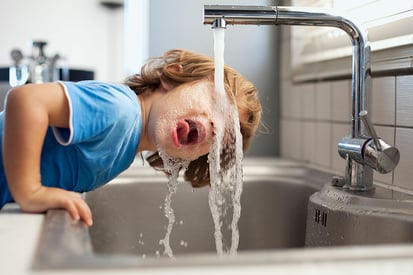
[
  {"x": 174, "y": 67},
  {"x": 166, "y": 86}
]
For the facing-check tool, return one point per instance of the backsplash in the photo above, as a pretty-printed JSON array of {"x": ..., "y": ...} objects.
[{"x": 315, "y": 115}]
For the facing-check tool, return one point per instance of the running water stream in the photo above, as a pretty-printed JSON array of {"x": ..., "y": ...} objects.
[
  {"x": 225, "y": 161},
  {"x": 225, "y": 166}
]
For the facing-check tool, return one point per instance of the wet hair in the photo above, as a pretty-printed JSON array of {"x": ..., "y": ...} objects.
[{"x": 179, "y": 66}]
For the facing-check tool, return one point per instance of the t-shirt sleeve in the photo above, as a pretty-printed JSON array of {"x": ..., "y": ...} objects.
[{"x": 94, "y": 108}]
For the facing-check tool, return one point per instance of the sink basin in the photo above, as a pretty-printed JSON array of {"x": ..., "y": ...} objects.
[
  {"x": 129, "y": 218},
  {"x": 285, "y": 207}
]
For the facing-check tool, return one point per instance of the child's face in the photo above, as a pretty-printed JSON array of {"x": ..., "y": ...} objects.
[{"x": 181, "y": 121}]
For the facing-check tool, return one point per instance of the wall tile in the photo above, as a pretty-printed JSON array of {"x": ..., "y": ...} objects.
[
  {"x": 323, "y": 144},
  {"x": 323, "y": 102},
  {"x": 404, "y": 101},
  {"x": 341, "y": 100},
  {"x": 383, "y": 98},
  {"x": 291, "y": 139},
  {"x": 307, "y": 94},
  {"x": 338, "y": 131},
  {"x": 295, "y": 107},
  {"x": 308, "y": 140},
  {"x": 403, "y": 174},
  {"x": 284, "y": 98}
]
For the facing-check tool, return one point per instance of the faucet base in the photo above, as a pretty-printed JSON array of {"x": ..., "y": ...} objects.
[
  {"x": 359, "y": 177},
  {"x": 359, "y": 188}
]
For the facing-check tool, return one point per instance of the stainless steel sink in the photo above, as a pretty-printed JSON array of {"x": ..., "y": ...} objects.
[
  {"x": 129, "y": 218},
  {"x": 285, "y": 207}
]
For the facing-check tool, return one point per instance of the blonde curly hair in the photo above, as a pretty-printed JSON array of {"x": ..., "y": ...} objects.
[{"x": 193, "y": 67}]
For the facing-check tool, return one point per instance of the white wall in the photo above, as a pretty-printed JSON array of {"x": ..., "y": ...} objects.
[{"x": 88, "y": 34}]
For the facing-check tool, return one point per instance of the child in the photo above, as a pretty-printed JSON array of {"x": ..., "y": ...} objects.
[{"x": 61, "y": 139}]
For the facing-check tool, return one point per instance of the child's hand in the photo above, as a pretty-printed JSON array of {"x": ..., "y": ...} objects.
[{"x": 46, "y": 198}]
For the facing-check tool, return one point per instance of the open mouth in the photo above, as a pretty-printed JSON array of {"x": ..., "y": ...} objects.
[{"x": 188, "y": 132}]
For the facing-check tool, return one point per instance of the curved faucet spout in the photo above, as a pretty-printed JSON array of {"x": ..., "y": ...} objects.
[
  {"x": 358, "y": 175},
  {"x": 275, "y": 15}
]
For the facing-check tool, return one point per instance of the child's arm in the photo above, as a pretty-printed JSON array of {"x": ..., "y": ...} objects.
[{"x": 30, "y": 109}]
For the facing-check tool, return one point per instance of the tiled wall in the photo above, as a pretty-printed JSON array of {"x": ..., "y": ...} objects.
[{"x": 314, "y": 116}]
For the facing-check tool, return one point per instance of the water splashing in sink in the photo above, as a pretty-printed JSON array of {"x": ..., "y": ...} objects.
[{"x": 172, "y": 167}]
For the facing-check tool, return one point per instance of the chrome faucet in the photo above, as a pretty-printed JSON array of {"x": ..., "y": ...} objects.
[
  {"x": 362, "y": 149},
  {"x": 39, "y": 68}
]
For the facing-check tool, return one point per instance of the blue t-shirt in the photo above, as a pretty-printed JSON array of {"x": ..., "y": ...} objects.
[{"x": 101, "y": 142}]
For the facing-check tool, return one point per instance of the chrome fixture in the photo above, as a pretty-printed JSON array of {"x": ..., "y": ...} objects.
[
  {"x": 36, "y": 68},
  {"x": 18, "y": 72},
  {"x": 362, "y": 149}
]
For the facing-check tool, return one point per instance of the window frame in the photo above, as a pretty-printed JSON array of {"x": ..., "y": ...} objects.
[{"x": 325, "y": 53}]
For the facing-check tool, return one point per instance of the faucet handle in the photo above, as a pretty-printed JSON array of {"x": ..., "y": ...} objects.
[
  {"x": 370, "y": 129},
  {"x": 384, "y": 158}
]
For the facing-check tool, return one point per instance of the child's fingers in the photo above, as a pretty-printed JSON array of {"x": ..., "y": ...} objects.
[
  {"x": 71, "y": 207},
  {"x": 49, "y": 197},
  {"x": 84, "y": 212},
  {"x": 78, "y": 208}
]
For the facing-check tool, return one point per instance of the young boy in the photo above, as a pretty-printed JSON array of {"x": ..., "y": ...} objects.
[{"x": 61, "y": 139}]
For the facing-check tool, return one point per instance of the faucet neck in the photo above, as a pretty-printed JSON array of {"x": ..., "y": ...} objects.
[
  {"x": 279, "y": 15},
  {"x": 361, "y": 71},
  {"x": 357, "y": 174}
]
